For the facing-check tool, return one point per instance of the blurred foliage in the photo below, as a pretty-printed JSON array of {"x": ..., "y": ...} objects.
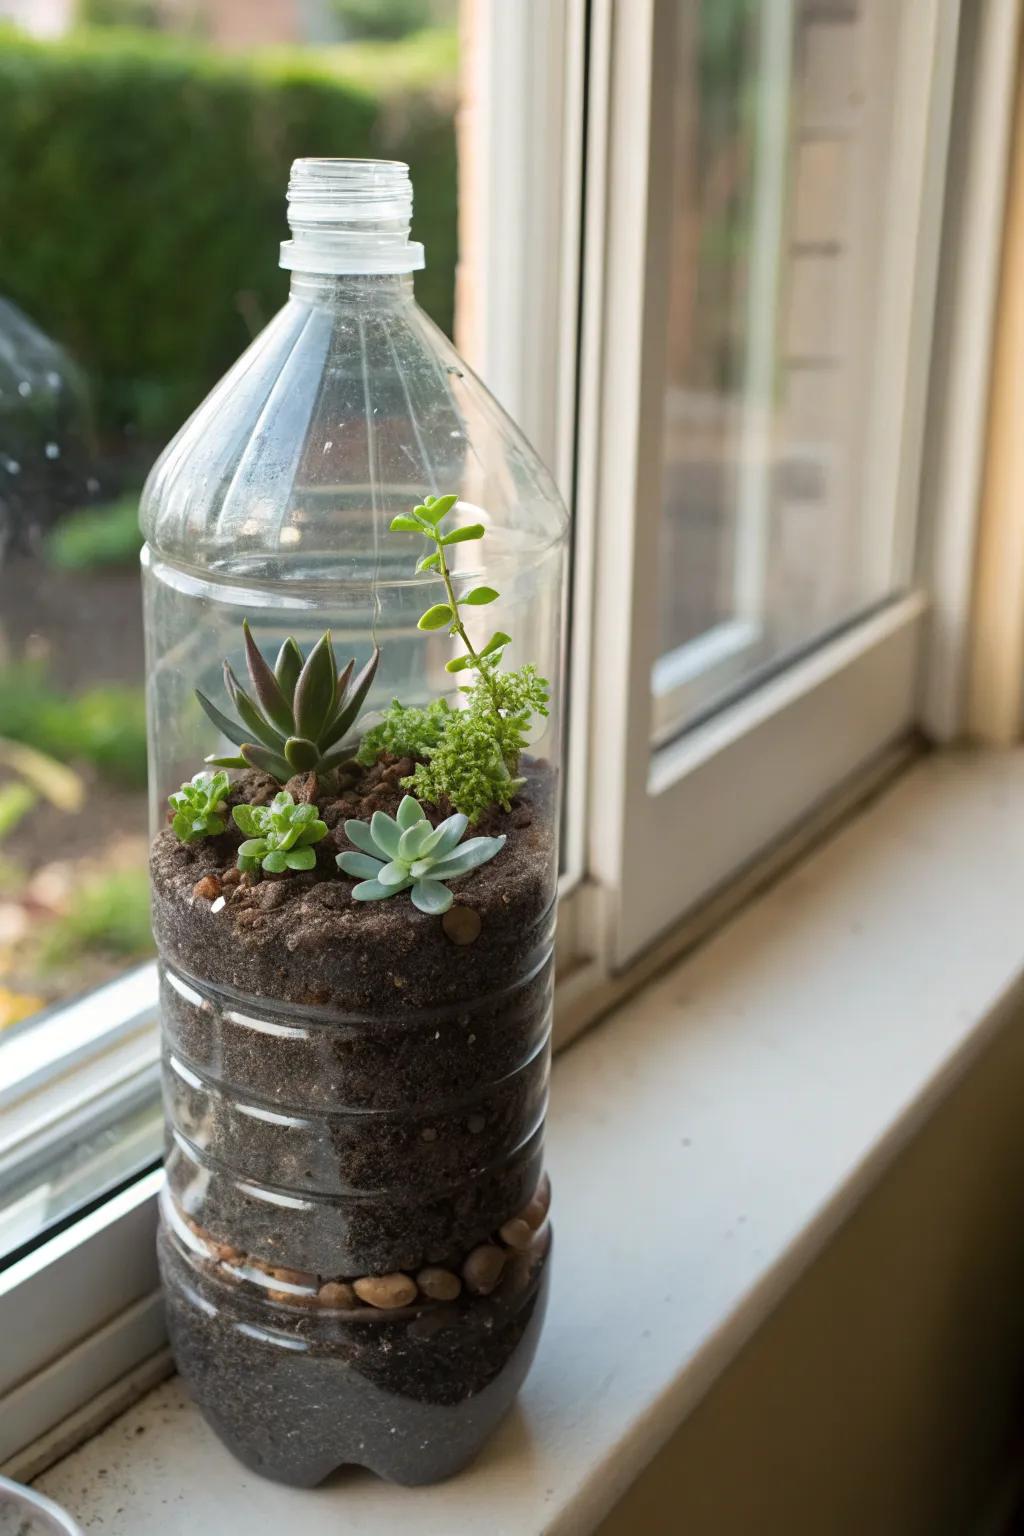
[
  {"x": 384, "y": 18},
  {"x": 119, "y": 13},
  {"x": 110, "y": 916},
  {"x": 97, "y": 536},
  {"x": 152, "y": 172},
  {"x": 105, "y": 726}
]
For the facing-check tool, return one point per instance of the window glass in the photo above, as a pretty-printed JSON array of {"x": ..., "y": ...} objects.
[
  {"x": 144, "y": 153},
  {"x": 770, "y": 537}
]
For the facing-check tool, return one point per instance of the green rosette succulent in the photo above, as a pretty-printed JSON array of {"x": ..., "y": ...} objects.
[
  {"x": 300, "y": 712},
  {"x": 199, "y": 807},
  {"x": 279, "y": 836},
  {"x": 406, "y": 853}
]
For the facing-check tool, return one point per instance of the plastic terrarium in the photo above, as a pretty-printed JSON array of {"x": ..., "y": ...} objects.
[{"x": 353, "y": 586}]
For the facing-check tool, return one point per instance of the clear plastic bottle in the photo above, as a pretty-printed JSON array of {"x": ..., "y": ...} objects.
[{"x": 355, "y": 1090}]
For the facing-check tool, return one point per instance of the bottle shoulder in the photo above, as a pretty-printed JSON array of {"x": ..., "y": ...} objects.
[{"x": 336, "y": 418}]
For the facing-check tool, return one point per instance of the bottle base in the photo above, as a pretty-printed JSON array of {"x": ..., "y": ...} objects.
[{"x": 295, "y": 1396}]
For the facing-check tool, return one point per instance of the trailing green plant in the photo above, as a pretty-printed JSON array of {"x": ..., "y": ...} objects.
[
  {"x": 405, "y": 852},
  {"x": 279, "y": 836},
  {"x": 471, "y": 756},
  {"x": 199, "y": 807},
  {"x": 301, "y": 714}
]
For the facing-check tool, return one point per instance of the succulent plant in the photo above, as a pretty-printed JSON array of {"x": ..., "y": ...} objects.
[
  {"x": 302, "y": 710},
  {"x": 405, "y": 853},
  {"x": 199, "y": 807},
  {"x": 279, "y": 836}
]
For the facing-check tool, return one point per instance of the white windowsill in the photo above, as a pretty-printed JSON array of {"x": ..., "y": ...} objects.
[{"x": 705, "y": 1141}]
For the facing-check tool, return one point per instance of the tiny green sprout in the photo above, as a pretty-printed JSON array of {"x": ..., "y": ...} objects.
[
  {"x": 426, "y": 519},
  {"x": 199, "y": 807},
  {"x": 300, "y": 711},
  {"x": 279, "y": 836},
  {"x": 406, "y": 853}
]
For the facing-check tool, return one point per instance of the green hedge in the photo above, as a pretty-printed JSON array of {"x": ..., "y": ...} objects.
[{"x": 142, "y": 183}]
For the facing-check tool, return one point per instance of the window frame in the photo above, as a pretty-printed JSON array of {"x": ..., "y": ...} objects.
[{"x": 669, "y": 827}]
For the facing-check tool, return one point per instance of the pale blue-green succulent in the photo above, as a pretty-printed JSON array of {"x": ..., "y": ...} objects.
[{"x": 405, "y": 853}]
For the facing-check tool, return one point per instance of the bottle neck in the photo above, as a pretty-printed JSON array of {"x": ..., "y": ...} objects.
[{"x": 369, "y": 290}]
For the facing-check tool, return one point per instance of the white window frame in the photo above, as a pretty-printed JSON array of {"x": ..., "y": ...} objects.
[{"x": 669, "y": 827}]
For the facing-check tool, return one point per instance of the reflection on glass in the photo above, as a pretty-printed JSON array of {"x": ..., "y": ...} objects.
[
  {"x": 781, "y": 144},
  {"x": 145, "y": 146}
]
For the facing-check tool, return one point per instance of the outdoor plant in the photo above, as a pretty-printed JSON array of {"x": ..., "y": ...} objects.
[
  {"x": 301, "y": 711},
  {"x": 199, "y": 807},
  {"x": 405, "y": 852},
  {"x": 279, "y": 836},
  {"x": 469, "y": 757}
]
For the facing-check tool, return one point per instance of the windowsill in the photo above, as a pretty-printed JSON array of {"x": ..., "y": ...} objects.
[{"x": 705, "y": 1142}]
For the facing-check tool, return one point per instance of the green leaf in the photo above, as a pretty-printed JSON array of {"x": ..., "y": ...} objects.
[
  {"x": 394, "y": 873},
  {"x": 413, "y": 838},
  {"x": 279, "y": 768},
  {"x": 445, "y": 836},
  {"x": 315, "y": 690},
  {"x": 226, "y": 762},
  {"x": 469, "y": 856},
  {"x": 255, "y": 722},
  {"x": 358, "y": 832},
  {"x": 182, "y": 826},
  {"x": 372, "y": 890},
  {"x": 436, "y": 507},
  {"x": 275, "y": 863},
  {"x": 431, "y": 897},
  {"x": 301, "y": 858},
  {"x": 386, "y": 833},
  {"x": 246, "y": 819},
  {"x": 463, "y": 535},
  {"x": 229, "y": 728},
  {"x": 497, "y": 642},
  {"x": 479, "y": 596},
  {"x": 403, "y": 523},
  {"x": 436, "y": 617},
  {"x": 458, "y": 664},
  {"x": 272, "y": 701},
  {"x": 253, "y": 848},
  {"x": 350, "y": 706},
  {"x": 312, "y": 832},
  {"x": 409, "y": 813},
  {"x": 287, "y": 669},
  {"x": 215, "y": 825},
  {"x": 303, "y": 755},
  {"x": 361, "y": 864},
  {"x": 429, "y": 562}
]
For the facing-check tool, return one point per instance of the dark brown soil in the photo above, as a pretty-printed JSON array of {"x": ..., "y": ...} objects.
[
  {"x": 350, "y": 1093},
  {"x": 300, "y": 938}
]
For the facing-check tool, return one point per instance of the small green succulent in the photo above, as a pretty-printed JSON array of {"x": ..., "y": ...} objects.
[
  {"x": 199, "y": 807},
  {"x": 279, "y": 836},
  {"x": 404, "y": 852},
  {"x": 302, "y": 711}
]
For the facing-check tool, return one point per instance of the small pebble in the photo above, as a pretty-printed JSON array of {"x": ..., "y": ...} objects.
[
  {"x": 291, "y": 1298},
  {"x": 208, "y": 887},
  {"x": 227, "y": 1254},
  {"x": 461, "y": 924},
  {"x": 482, "y": 1270},
  {"x": 428, "y": 1133},
  {"x": 438, "y": 1284},
  {"x": 294, "y": 1277},
  {"x": 336, "y": 1293},
  {"x": 386, "y": 1291},
  {"x": 230, "y": 877},
  {"x": 517, "y": 1233}
]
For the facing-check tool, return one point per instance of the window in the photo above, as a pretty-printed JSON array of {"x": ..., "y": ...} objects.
[{"x": 770, "y": 176}]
